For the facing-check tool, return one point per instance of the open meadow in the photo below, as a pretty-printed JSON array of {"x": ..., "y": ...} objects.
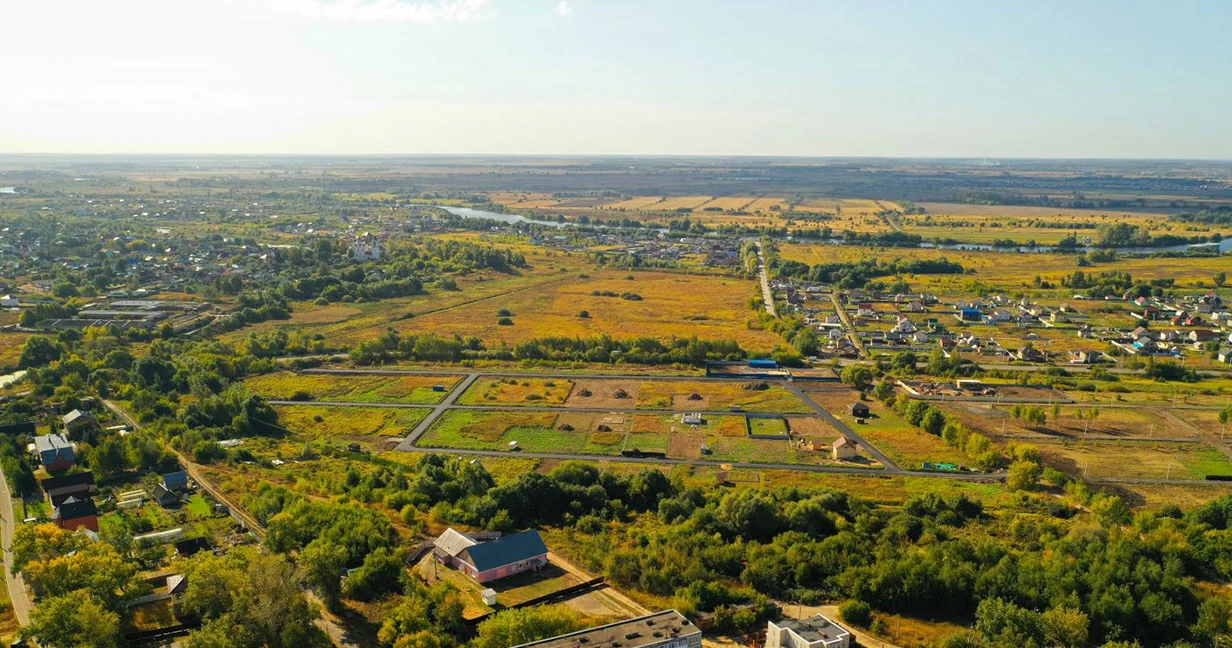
[{"x": 409, "y": 389}]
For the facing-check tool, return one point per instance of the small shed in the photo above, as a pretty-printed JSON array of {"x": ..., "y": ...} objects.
[
  {"x": 489, "y": 597},
  {"x": 858, "y": 410}
]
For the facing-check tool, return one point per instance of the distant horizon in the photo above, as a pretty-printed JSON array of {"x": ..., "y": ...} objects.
[
  {"x": 582, "y": 156},
  {"x": 950, "y": 79}
]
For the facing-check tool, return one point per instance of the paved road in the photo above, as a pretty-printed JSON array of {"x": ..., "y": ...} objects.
[
  {"x": 889, "y": 464},
  {"x": 8, "y": 526},
  {"x": 444, "y": 406},
  {"x": 546, "y": 408}
]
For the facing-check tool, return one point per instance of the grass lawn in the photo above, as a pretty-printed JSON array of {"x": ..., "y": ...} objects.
[
  {"x": 198, "y": 507},
  {"x": 767, "y": 426},
  {"x": 415, "y": 390},
  {"x": 717, "y": 395}
]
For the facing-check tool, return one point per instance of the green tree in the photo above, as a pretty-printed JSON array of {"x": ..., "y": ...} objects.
[
  {"x": 1024, "y": 475},
  {"x": 1221, "y": 278},
  {"x": 515, "y": 627},
  {"x": 74, "y": 620},
  {"x": 858, "y": 376},
  {"x": 39, "y": 351}
]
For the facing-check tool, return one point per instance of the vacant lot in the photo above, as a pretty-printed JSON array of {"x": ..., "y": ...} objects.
[
  {"x": 315, "y": 421},
  {"x": 417, "y": 390},
  {"x": 1141, "y": 459},
  {"x": 712, "y": 395},
  {"x": 517, "y": 391},
  {"x": 906, "y": 444}
]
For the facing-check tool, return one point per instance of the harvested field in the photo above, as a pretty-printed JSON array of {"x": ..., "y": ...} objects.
[
  {"x": 619, "y": 394},
  {"x": 1157, "y": 460},
  {"x": 330, "y": 420}
]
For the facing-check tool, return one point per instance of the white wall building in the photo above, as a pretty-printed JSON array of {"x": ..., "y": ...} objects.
[{"x": 817, "y": 632}]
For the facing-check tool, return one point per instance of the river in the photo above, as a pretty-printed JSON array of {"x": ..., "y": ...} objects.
[{"x": 1224, "y": 246}]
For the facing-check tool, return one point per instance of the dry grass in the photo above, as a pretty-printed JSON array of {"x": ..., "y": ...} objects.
[
  {"x": 418, "y": 389},
  {"x": 517, "y": 391},
  {"x": 339, "y": 421},
  {"x": 1111, "y": 459},
  {"x": 709, "y": 307}
]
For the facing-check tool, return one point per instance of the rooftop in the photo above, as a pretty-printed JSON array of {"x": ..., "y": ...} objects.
[
  {"x": 817, "y": 628},
  {"x": 632, "y": 633}
]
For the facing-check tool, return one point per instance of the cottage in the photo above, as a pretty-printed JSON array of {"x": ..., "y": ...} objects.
[
  {"x": 55, "y": 452},
  {"x": 866, "y": 310},
  {"x": 1225, "y": 355},
  {"x": 858, "y": 410},
  {"x": 9, "y": 301},
  {"x": 817, "y": 632},
  {"x": 1203, "y": 335},
  {"x": 969, "y": 315},
  {"x": 915, "y": 306},
  {"x": 1084, "y": 356},
  {"x": 903, "y": 325},
  {"x": 843, "y": 448},
  {"x": 492, "y": 560},
  {"x": 165, "y": 498},
  {"x": 78, "y": 420}
]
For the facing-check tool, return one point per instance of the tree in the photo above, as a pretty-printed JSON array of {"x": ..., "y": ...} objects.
[
  {"x": 39, "y": 351},
  {"x": 1221, "y": 278},
  {"x": 1024, "y": 475},
  {"x": 74, "y": 620},
  {"x": 858, "y": 376},
  {"x": 322, "y": 563},
  {"x": 515, "y": 627}
]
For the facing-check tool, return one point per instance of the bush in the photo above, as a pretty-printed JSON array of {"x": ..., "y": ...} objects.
[
  {"x": 856, "y": 612},
  {"x": 584, "y": 314},
  {"x": 504, "y": 312},
  {"x": 505, "y": 321}
]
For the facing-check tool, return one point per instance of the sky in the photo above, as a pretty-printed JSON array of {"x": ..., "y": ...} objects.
[{"x": 936, "y": 78}]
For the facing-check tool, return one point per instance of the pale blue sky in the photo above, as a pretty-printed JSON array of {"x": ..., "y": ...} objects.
[{"x": 771, "y": 77}]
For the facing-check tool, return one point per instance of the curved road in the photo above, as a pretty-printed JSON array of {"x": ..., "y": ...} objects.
[{"x": 8, "y": 526}]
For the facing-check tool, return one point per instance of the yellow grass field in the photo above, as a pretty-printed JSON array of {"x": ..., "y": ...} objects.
[
  {"x": 764, "y": 204},
  {"x": 1030, "y": 211},
  {"x": 672, "y": 305},
  {"x": 682, "y": 202},
  {"x": 729, "y": 203},
  {"x": 284, "y": 385},
  {"x": 517, "y": 391},
  {"x": 348, "y": 421},
  {"x": 636, "y": 203}
]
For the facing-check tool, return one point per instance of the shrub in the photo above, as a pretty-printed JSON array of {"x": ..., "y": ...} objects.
[
  {"x": 505, "y": 321},
  {"x": 856, "y": 612}
]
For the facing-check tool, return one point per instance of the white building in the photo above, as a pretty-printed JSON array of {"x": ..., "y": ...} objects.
[
  {"x": 366, "y": 249},
  {"x": 817, "y": 632}
]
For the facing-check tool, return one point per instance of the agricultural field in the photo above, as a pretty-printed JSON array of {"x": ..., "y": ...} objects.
[
  {"x": 709, "y": 307},
  {"x": 1011, "y": 271},
  {"x": 753, "y": 396},
  {"x": 410, "y": 389}
]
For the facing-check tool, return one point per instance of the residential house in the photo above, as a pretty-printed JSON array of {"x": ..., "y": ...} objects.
[
  {"x": 1203, "y": 335},
  {"x": 816, "y": 632},
  {"x": 858, "y": 410},
  {"x": 165, "y": 497},
  {"x": 1225, "y": 355},
  {"x": 843, "y": 448},
  {"x": 1084, "y": 356},
  {"x": 915, "y": 306},
  {"x": 75, "y": 513},
  {"x": 55, "y": 452},
  {"x": 666, "y": 629},
  {"x": 903, "y": 325},
  {"x": 59, "y": 489},
  {"x": 865, "y": 309},
  {"x": 1058, "y": 317},
  {"x": 9, "y": 301},
  {"x": 176, "y": 481},
  {"x": 492, "y": 560},
  {"x": 76, "y": 421},
  {"x": 969, "y": 315}
]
